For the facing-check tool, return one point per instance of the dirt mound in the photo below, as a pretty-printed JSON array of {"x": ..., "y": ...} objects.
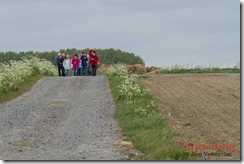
[{"x": 137, "y": 69}]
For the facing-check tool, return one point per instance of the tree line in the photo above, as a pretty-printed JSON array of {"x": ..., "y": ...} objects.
[{"x": 106, "y": 56}]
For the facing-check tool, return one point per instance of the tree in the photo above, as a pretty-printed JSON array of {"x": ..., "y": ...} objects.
[{"x": 107, "y": 56}]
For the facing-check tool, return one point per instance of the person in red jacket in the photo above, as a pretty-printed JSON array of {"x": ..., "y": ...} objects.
[
  {"x": 75, "y": 63},
  {"x": 93, "y": 62}
]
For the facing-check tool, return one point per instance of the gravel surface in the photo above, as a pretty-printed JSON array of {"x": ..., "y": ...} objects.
[{"x": 62, "y": 118}]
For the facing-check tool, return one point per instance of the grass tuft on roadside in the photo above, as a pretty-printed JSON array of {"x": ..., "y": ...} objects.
[{"x": 137, "y": 116}]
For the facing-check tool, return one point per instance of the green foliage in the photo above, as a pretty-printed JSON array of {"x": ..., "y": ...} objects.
[
  {"x": 111, "y": 56},
  {"x": 139, "y": 120},
  {"x": 107, "y": 56}
]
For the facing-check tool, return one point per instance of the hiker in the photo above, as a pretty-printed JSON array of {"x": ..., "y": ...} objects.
[
  {"x": 61, "y": 61},
  {"x": 67, "y": 65},
  {"x": 79, "y": 67},
  {"x": 75, "y": 62},
  {"x": 89, "y": 68},
  {"x": 93, "y": 62},
  {"x": 84, "y": 60},
  {"x": 58, "y": 64}
]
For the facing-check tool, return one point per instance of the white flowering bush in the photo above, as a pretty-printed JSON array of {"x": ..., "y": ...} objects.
[
  {"x": 44, "y": 67},
  {"x": 118, "y": 70},
  {"x": 128, "y": 88},
  {"x": 130, "y": 91},
  {"x": 14, "y": 73}
]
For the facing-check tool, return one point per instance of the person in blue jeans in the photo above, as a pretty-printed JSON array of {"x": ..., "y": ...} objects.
[
  {"x": 75, "y": 62},
  {"x": 84, "y": 60},
  {"x": 79, "y": 68}
]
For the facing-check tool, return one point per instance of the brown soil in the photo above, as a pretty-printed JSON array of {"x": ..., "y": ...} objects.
[{"x": 201, "y": 110}]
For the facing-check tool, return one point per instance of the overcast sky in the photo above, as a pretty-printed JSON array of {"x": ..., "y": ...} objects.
[{"x": 162, "y": 32}]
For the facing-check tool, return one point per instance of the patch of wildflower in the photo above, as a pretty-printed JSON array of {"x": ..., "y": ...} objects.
[
  {"x": 141, "y": 111},
  {"x": 43, "y": 66},
  {"x": 149, "y": 109},
  {"x": 129, "y": 90},
  {"x": 118, "y": 70},
  {"x": 14, "y": 73}
]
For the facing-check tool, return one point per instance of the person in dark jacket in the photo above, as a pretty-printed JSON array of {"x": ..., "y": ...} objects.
[
  {"x": 84, "y": 60},
  {"x": 61, "y": 61},
  {"x": 58, "y": 64}
]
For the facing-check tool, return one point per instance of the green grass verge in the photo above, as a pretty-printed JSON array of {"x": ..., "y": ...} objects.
[
  {"x": 149, "y": 134},
  {"x": 23, "y": 88},
  {"x": 178, "y": 70}
]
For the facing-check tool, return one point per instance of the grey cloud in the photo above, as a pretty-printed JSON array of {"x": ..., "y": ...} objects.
[{"x": 162, "y": 32}]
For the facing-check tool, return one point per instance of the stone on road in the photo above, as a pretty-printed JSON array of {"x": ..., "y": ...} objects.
[{"x": 61, "y": 118}]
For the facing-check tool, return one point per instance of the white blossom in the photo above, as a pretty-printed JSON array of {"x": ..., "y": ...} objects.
[{"x": 14, "y": 73}]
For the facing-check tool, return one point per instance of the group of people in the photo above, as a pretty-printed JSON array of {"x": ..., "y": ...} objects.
[{"x": 82, "y": 64}]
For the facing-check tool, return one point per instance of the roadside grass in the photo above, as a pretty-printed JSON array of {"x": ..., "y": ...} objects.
[
  {"x": 23, "y": 88},
  {"x": 150, "y": 134},
  {"x": 199, "y": 69}
]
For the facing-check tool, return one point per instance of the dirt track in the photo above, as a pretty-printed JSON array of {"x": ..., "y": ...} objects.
[
  {"x": 201, "y": 109},
  {"x": 62, "y": 118}
]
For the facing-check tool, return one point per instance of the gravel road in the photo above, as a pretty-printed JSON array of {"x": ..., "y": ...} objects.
[{"x": 61, "y": 118}]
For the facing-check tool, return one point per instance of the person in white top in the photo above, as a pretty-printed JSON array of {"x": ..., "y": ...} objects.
[{"x": 67, "y": 65}]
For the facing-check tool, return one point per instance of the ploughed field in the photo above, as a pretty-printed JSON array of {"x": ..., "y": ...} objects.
[{"x": 203, "y": 111}]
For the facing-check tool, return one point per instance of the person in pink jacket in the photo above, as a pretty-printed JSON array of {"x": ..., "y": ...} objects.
[{"x": 75, "y": 63}]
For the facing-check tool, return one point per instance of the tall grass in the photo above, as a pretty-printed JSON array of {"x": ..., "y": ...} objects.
[{"x": 139, "y": 120}]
